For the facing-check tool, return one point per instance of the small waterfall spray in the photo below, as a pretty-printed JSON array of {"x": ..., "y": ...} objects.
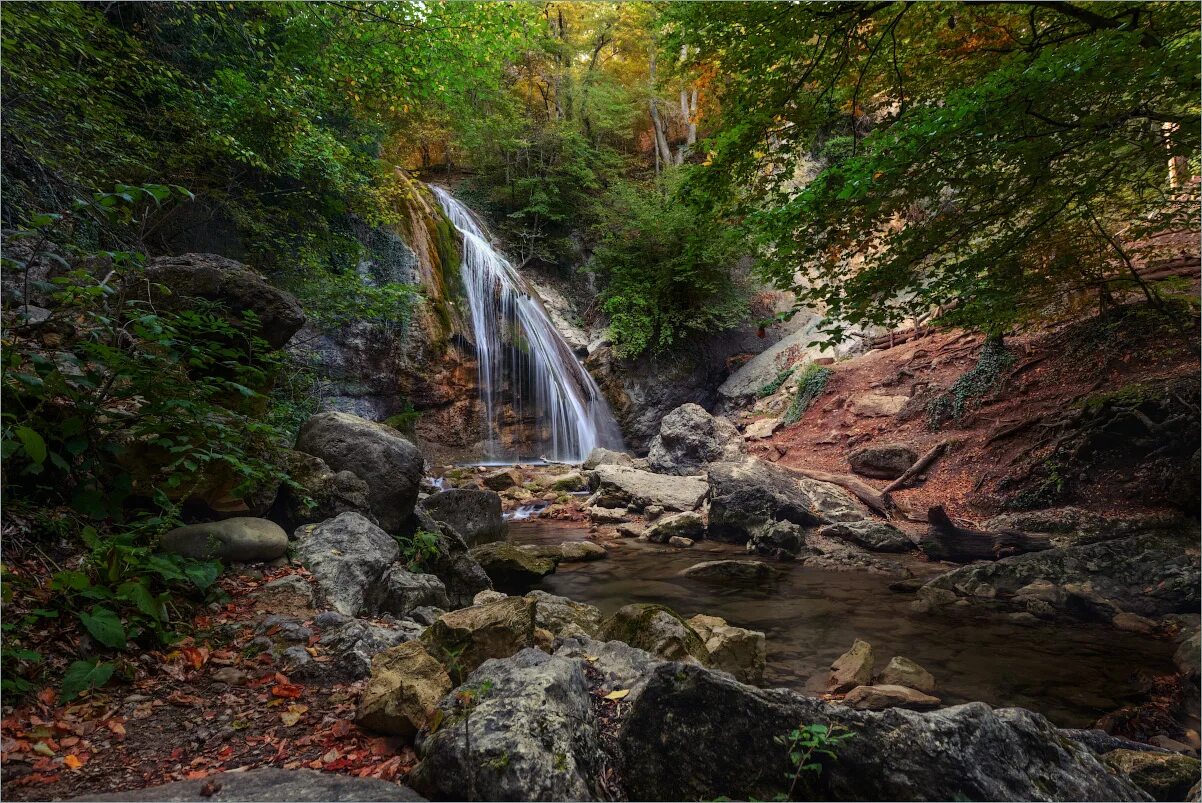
[{"x": 523, "y": 361}]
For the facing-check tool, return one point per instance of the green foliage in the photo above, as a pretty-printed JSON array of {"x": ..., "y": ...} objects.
[
  {"x": 667, "y": 263},
  {"x": 971, "y": 386},
  {"x": 810, "y": 385},
  {"x": 771, "y": 387},
  {"x": 419, "y": 548},
  {"x": 808, "y": 746},
  {"x": 1000, "y": 155},
  {"x": 83, "y": 676}
]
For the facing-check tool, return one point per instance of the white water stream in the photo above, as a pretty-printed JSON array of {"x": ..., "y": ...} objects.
[{"x": 526, "y": 370}]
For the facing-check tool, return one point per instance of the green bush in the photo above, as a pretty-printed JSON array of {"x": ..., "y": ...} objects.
[
  {"x": 811, "y": 383},
  {"x": 971, "y": 386}
]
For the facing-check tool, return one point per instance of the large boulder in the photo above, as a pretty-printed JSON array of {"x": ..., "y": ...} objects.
[
  {"x": 405, "y": 687},
  {"x": 752, "y": 493},
  {"x": 474, "y": 514},
  {"x": 317, "y": 492},
  {"x": 690, "y": 438},
  {"x": 1164, "y": 776},
  {"x": 563, "y": 617},
  {"x": 736, "y": 650},
  {"x": 518, "y": 729},
  {"x": 513, "y": 567},
  {"x": 400, "y": 592},
  {"x": 390, "y": 465},
  {"x": 349, "y": 645},
  {"x": 902, "y": 671},
  {"x": 1150, "y": 575},
  {"x": 657, "y": 629},
  {"x": 267, "y": 785},
  {"x": 176, "y": 282},
  {"x": 677, "y": 742},
  {"x": 621, "y": 486},
  {"x": 502, "y": 479},
  {"x": 240, "y": 539},
  {"x": 679, "y": 525},
  {"x": 778, "y": 539},
  {"x": 600, "y": 456},
  {"x": 852, "y": 668},
  {"x": 884, "y": 462},
  {"x": 348, "y": 556},
  {"x": 464, "y": 639},
  {"x": 461, "y": 575}
]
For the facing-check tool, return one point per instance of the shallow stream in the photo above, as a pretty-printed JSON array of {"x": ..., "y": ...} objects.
[{"x": 1072, "y": 674}]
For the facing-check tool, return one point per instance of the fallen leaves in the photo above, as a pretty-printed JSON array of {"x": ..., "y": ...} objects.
[
  {"x": 293, "y": 714},
  {"x": 617, "y": 694}
]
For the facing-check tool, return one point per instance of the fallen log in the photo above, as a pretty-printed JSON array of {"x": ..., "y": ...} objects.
[
  {"x": 944, "y": 540},
  {"x": 857, "y": 487},
  {"x": 913, "y": 471}
]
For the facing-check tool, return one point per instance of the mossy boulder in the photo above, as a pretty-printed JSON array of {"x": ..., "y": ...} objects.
[
  {"x": 1164, "y": 776},
  {"x": 462, "y": 640},
  {"x": 513, "y": 568},
  {"x": 657, "y": 629}
]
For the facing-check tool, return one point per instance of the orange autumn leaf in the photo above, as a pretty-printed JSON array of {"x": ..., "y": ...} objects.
[
  {"x": 286, "y": 690},
  {"x": 73, "y": 761}
]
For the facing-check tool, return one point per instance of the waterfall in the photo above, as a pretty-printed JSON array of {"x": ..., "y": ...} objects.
[{"x": 524, "y": 365}]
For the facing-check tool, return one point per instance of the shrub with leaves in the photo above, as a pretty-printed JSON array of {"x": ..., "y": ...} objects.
[
  {"x": 808, "y": 746},
  {"x": 811, "y": 383},
  {"x": 771, "y": 387},
  {"x": 971, "y": 386}
]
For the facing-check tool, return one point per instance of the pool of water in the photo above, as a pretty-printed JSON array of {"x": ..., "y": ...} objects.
[{"x": 1071, "y": 673}]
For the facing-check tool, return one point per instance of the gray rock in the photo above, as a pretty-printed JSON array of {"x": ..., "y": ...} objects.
[
  {"x": 464, "y": 639},
  {"x": 657, "y": 629},
  {"x": 749, "y": 494},
  {"x": 485, "y": 597},
  {"x": 405, "y": 686},
  {"x": 209, "y": 277},
  {"x": 620, "y": 486},
  {"x": 268, "y": 785},
  {"x": 690, "y": 438},
  {"x": 1164, "y": 776},
  {"x": 580, "y": 551},
  {"x": 400, "y": 592},
  {"x": 502, "y": 479},
  {"x": 730, "y": 571},
  {"x": 904, "y": 672},
  {"x": 474, "y": 514},
  {"x": 572, "y": 482},
  {"x": 323, "y": 492},
  {"x": 1189, "y": 653},
  {"x": 390, "y": 465},
  {"x": 876, "y": 536},
  {"x": 563, "y": 617},
  {"x": 351, "y": 644},
  {"x": 884, "y": 462},
  {"x": 831, "y": 554},
  {"x": 675, "y": 744},
  {"x": 605, "y": 457},
  {"x": 347, "y": 555},
  {"x": 736, "y": 650},
  {"x": 619, "y": 665},
  {"x": 608, "y": 515},
  {"x": 243, "y": 539},
  {"x": 778, "y": 539},
  {"x": 1150, "y": 575},
  {"x": 680, "y": 542},
  {"x": 852, "y": 668},
  {"x": 683, "y": 525},
  {"x": 513, "y": 567},
  {"x": 518, "y": 729}
]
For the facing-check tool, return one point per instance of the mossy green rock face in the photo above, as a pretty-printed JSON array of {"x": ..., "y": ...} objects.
[
  {"x": 1164, "y": 776},
  {"x": 462, "y": 640},
  {"x": 658, "y": 630},
  {"x": 512, "y": 568},
  {"x": 242, "y": 539}
]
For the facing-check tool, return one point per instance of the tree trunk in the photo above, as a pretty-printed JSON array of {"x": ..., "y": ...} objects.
[{"x": 663, "y": 153}]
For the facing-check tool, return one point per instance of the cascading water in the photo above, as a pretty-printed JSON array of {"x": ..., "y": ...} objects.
[{"x": 524, "y": 364}]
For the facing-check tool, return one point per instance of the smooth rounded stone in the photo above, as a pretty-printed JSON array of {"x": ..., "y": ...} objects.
[
  {"x": 677, "y": 741},
  {"x": 904, "y": 672},
  {"x": 1134, "y": 623},
  {"x": 885, "y": 462},
  {"x": 347, "y": 556},
  {"x": 464, "y": 639},
  {"x": 288, "y": 594},
  {"x": 608, "y": 515},
  {"x": 678, "y": 541},
  {"x": 376, "y": 453},
  {"x": 880, "y": 697},
  {"x": 780, "y": 539},
  {"x": 317, "y": 492},
  {"x": 730, "y": 571},
  {"x": 600, "y": 456},
  {"x": 630, "y": 530},
  {"x": 242, "y": 539},
  {"x": 690, "y": 438},
  {"x": 736, "y": 650},
  {"x": 512, "y": 567},
  {"x": 522, "y": 728},
  {"x": 876, "y": 536},
  {"x": 502, "y": 479},
  {"x": 400, "y": 592},
  {"x": 1164, "y": 776},
  {"x": 267, "y": 785},
  {"x": 571, "y": 482},
  {"x": 852, "y": 668},
  {"x": 684, "y": 525},
  {"x": 618, "y": 486},
  {"x": 657, "y": 629},
  {"x": 487, "y": 596},
  {"x": 474, "y": 514},
  {"x": 405, "y": 686},
  {"x": 581, "y": 551}
]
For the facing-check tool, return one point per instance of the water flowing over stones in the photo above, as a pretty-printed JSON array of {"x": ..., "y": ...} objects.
[{"x": 525, "y": 367}]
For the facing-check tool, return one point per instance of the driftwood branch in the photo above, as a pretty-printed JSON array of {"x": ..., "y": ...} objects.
[
  {"x": 857, "y": 487},
  {"x": 945, "y": 540},
  {"x": 913, "y": 471}
]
